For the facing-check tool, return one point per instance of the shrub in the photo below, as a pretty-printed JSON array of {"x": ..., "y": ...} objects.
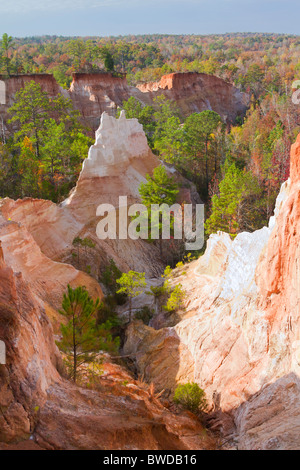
[
  {"x": 107, "y": 312},
  {"x": 145, "y": 314},
  {"x": 110, "y": 275},
  {"x": 191, "y": 397},
  {"x": 175, "y": 301},
  {"x": 132, "y": 284}
]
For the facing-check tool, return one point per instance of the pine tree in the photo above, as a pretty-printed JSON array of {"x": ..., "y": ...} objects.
[
  {"x": 80, "y": 336},
  {"x": 199, "y": 135},
  {"x": 169, "y": 143},
  {"x": 225, "y": 206},
  {"x": 31, "y": 111},
  {"x": 164, "y": 110},
  {"x": 132, "y": 284},
  {"x": 29, "y": 169},
  {"x": 159, "y": 189},
  {"x": 55, "y": 134}
]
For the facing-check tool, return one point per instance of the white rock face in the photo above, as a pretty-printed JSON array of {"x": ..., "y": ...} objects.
[
  {"x": 2, "y": 92},
  {"x": 218, "y": 245},
  {"x": 241, "y": 262},
  {"x": 243, "y": 255},
  {"x": 117, "y": 142},
  {"x": 282, "y": 196}
]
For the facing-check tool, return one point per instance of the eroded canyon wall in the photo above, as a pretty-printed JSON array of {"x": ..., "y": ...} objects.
[
  {"x": 239, "y": 337},
  {"x": 195, "y": 92},
  {"x": 39, "y": 408},
  {"x": 93, "y": 94}
]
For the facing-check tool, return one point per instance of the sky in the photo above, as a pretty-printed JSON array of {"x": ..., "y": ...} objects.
[{"x": 21, "y": 18}]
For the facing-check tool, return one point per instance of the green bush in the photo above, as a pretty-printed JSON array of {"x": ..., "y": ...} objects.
[
  {"x": 110, "y": 275},
  {"x": 107, "y": 312},
  {"x": 191, "y": 397},
  {"x": 145, "y": 314},
  {"x": 175, "y": 301}
]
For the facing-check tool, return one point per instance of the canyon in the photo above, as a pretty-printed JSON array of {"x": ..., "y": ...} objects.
[
  {"x": 93, "y": 94},
  {"x": 237, "y": 336},
  {"x": 36, "y": 247}
]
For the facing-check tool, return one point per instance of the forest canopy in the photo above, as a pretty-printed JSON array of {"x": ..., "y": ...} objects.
[{"x": 237, "y": 170}]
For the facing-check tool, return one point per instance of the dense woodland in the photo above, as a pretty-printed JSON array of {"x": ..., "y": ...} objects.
[
  {"x": 238, "y": 171},
  {"x": 251, "y": 61}
]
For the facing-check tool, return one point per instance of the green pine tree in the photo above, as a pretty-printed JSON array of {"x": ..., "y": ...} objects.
[
  {"x": 132, "y": 284},
  {"x": 159, "y": 189},
  {"x": 56, "y": 136},
  {"x": 226, "y": 206},
  {"x": 81, "y": 339},
  {"x": 199, "y": 129}
]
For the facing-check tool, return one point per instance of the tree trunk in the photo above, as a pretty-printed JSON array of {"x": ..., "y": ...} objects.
[
  {"x": 206, "y": 165},
  {"x": 74, "y": 352},
  {"x": 130, "y": 307}
]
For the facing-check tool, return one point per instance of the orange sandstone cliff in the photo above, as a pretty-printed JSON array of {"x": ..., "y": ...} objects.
[
  {"x": 239, "y": 335},
  {"x": 39, "y": 408},
  {"x": 92, "y": 94},
  {"x": 95, "y": 93},
  {"x": 195, "y": 92}
]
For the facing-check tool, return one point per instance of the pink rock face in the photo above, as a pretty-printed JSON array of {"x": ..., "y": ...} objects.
[
  {"x": 31, "y": 356},
  {"x": 278, "y": 274},
  {"x": 16, "y": 82},
  {"x": 93, "y": 94},
  {"x": 196, "y": 92},
  {"x": 193, "y": 92},
  {"x": 48, "y": 279}
]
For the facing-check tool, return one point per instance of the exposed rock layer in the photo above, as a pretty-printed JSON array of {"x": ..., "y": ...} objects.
[
  {"x": 92, "y": 94},
  {"x": 195, "y": 92},
  {"x": 36, "y": 404},
  {"x": 117, "y": 164},
  {"x": 239, "y": 338}
]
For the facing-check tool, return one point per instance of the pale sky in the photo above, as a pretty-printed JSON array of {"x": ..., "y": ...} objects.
[{"x": 120, "y": 17}]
